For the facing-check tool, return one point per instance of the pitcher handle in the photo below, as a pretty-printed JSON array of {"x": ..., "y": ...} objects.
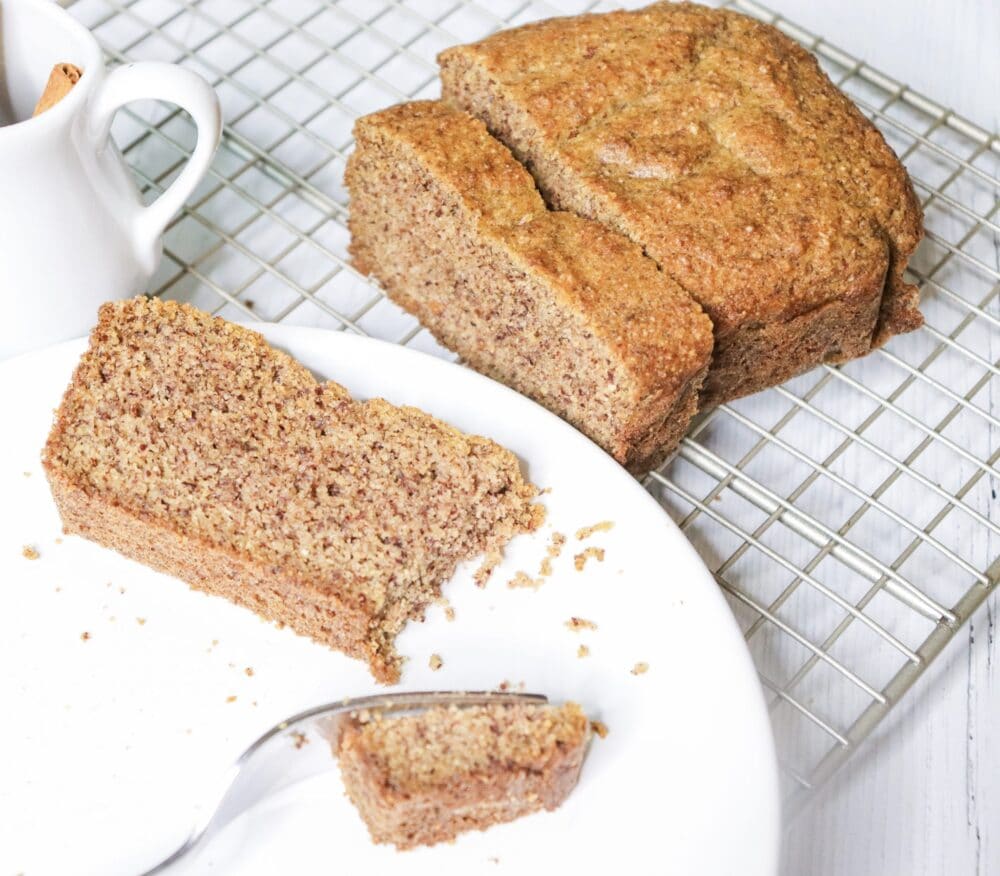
[{"x": 153, "y": 80}]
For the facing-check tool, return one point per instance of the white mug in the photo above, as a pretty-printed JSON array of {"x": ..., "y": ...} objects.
[{"x": 73, "y": 230}]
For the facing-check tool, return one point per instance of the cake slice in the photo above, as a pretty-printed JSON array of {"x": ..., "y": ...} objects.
[
  {"x": 560, "y": 308},
  {"x": 424, "y": 778},
  {"x": 720, "y": 146},
  {"x": 187, "y": 443}
]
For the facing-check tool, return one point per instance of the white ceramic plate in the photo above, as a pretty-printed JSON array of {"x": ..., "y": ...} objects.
[{"x": 108, "y": 742}]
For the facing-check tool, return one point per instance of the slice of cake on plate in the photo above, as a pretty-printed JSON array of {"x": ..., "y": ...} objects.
[
  {"x": 424, "y": 778},
  {"x": 189, "y": 444}
]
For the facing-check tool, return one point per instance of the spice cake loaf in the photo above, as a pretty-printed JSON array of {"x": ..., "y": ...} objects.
[
  {"x": 189, "y": 444},
  {"x": 423, "y": 778},
  {"x": 719, "y": 145},
  {"x": 562, "y": 309}
]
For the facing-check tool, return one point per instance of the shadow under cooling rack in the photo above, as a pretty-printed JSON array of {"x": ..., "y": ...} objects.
[{"x": 849, "y": 515}]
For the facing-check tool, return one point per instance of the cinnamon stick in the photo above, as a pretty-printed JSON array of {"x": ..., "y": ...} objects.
[{"x": 61, "y": 80}]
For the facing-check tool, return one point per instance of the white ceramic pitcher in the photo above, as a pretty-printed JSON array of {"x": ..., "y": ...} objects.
[{"x": 73, "y": 230}]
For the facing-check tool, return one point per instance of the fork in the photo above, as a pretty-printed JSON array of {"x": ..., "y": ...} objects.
[{"x": 270, "y": 763}]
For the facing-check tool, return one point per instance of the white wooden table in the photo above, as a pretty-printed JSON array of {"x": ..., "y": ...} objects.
[{"x": 923, "y": 795}]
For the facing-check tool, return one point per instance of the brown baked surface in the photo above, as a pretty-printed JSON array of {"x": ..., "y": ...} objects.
[
  {"x": 424, "y": 778},
  {"x": 559, "y": 307},
  {"x": 717, "y": 143},
  {"x": 189, "y": 444}
]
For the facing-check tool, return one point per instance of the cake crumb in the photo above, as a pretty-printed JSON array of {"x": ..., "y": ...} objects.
[
  {"x": 551, "y": 552},
  {"x": 640, "y": 668},
  {"x": 507, "y": 685},
  {"x": 578, "y": 623},
  {"x": 84, "y": 636},
  {"x": 231, "y": 698},
  {"x": 141, "y": 621},
  {"x": 588, "y": 531},
  {"x": 299, "y": 739},
  {"x": 583, "y": 651},
  {"x": 27, "y": 474},
  {"x": 600, "y": 728},
  {"x": 523, "y": 579},
  {"x": 436, "y": 662},
  {"x": 58, "y": 540},
  {"x": 449, "y": 613},
  {"x": 29, "y": 552},
  {"x": 249, "y": 671},
  {"x": 490, "y": 562},
  {"x": 580, "y": 560}
]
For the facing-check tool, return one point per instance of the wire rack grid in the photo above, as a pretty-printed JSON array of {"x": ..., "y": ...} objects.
[{"x": 848, "y": 515}]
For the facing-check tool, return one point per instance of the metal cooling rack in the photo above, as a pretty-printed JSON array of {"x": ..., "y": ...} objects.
[{"x": 848, "y": 515}]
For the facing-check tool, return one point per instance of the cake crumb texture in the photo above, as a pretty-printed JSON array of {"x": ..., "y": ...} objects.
[
  {"x": 524, "y": 580},
  {"x": 552, "y": 552},
  {"x": 720, "y": 146},
  {"x": 585, "y": 532},
  {"x": 580, "y": 560},
  {"x": 424, "y": 778},
  {"x": 560, "y": 308},
  {"x": 189, "y": 444}
]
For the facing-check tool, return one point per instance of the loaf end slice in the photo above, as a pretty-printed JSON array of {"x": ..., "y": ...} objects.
[
  {"x": 560, "y": 308},
  {"x": 719, "y": 145},
  {"x": 189, "y": 444},
  {"x": 425, "y": 778}
]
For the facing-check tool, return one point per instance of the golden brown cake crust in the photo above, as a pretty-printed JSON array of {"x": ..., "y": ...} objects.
[
  {"x": 424, "y": 778},
  {"x": 439, "y": 206},
  {"x": 189, "y": 444},
  {"x": 717, "y": 143}
]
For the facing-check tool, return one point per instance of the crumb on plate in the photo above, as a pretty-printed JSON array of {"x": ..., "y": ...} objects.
[
  {"x": 580, "y": 560},
  {"x": 482, "y": 574},
  {"x": 523, "y": 579},
  {"x": 588, "y": 531}
]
